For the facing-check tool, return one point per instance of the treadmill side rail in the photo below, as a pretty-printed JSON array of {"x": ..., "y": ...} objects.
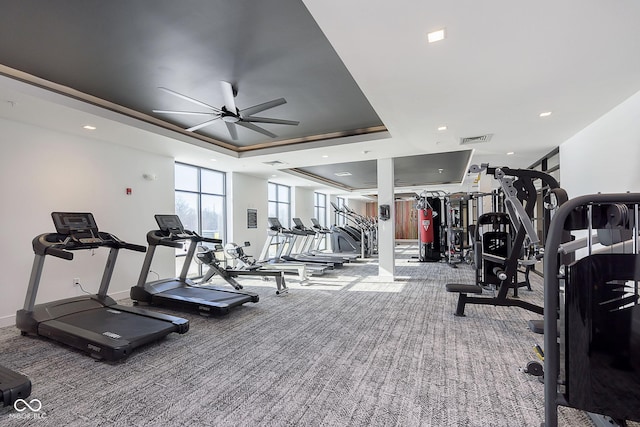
[{"x": 13, "y": 386}]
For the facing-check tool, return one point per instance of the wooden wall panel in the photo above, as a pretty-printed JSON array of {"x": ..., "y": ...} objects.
[{"x": 406, "y": 218}]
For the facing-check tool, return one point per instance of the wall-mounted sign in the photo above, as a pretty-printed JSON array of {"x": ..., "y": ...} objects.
[{"x": 252, "y": 218}]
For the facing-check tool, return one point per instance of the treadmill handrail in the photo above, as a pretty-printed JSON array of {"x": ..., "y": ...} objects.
[
  {"x": 59, "y": 253},
  {"x": 59, "y": 245},
  {"x": 210, "y": 240},
  {"x": 158, "y": 237}
]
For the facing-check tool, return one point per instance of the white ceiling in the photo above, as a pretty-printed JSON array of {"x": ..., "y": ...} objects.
[{"x": 502, "y": 63}]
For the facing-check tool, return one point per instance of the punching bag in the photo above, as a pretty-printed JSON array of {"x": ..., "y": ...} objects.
[
  {"x": 426, "y": 222},
  {"x": 425, "y": 219}
]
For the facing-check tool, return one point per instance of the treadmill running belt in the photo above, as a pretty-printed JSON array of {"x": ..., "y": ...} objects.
[
  {"x": 114, "y": 323},
  {"x": 207, "y": 295}
]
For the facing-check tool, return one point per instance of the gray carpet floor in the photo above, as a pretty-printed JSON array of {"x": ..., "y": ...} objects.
[{"x": 350, "y": 349}]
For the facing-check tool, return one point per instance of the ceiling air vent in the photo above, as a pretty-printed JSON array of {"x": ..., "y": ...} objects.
[
  {"x": 274, "y": 163},
  {"x": 476, "y": 139}
]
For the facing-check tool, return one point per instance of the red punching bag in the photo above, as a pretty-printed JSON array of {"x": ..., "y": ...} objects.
[{"x": 426, "y": 222}]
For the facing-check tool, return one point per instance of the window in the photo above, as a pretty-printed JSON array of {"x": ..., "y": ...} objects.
[
  {"x": 280, "y": 203},
  {"x": 338, "y": 218},
  {"x": 320, "y": 208},
  {"x": 320, "y": 213},
  {"x": 200, "y": 204},
  {"x": 549, "y": 164}
]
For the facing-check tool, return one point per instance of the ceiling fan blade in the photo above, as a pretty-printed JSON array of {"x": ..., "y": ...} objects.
[
  {"x": 227, "y": 95},
  {"x": 187, "y": 98},
  {"x": 193, "y": 113},
  {"x": 255, "y": 128},
  {"x": 264, "y": 106},
  {"x": 201, "y": 125},
  {"x": 268, "y": 120},
  {"x": 233, "y": 132}
]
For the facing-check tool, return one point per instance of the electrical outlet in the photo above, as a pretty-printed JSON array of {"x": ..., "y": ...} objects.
[{"x": 76, "y": 281}]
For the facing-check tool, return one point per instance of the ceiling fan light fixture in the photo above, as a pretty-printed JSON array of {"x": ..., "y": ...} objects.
[
  {"x": 230, "y": 119},
  {"x": 230, "y": 114}
]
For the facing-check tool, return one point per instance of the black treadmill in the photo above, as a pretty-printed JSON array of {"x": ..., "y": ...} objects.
[
  {"x": 95, "y": 324},
  {"x": 180, "y": 292},
  {"x": 13, "y": 386}
]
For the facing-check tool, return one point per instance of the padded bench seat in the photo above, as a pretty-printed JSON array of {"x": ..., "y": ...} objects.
[{"x": 462, "y": 290}]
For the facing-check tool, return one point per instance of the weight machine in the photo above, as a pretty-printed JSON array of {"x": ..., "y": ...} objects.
[
  {"x": 520, "y": 197},
  {"x": 594, "y": 363}
]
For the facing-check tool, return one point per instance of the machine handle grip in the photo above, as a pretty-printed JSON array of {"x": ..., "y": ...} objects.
[
  {"x": 134, "y": 247},
  {"x": 59, "y": 253},
  {"x": 210, "y": 240}
]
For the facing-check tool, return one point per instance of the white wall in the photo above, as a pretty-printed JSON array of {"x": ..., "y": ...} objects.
[
  {"x": 246, "y": 192},
  {"x": 360, "y": 206},
  {"x": 43, "y": 171},
  {"x": 603, "y": 157}
]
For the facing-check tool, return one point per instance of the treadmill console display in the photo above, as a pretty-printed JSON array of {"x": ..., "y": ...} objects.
[
  {"x": 74, "y": 223},
  {"x": 80, "y": 226},
  {"x": 298, "y": 222},
  {"x": 170, "y": 224},
  {"x": 274, "y": 222}
]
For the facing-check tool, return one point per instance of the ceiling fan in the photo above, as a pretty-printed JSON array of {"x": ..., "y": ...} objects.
[{"x": 230, "y": 114}]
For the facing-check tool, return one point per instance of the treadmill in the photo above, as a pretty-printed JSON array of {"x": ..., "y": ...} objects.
[
  {"x": 311, "y": 245},
  {"x": 182, "y": 293},
  {"x": 94, "y": 324},
  {"x": 285, "y": 250},
  {"x": 13, "y": 386}
]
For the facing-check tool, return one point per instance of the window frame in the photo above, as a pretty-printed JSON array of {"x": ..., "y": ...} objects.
[
  {"x": 200, "y": 195},
  {"x": 276, "y": 189}
]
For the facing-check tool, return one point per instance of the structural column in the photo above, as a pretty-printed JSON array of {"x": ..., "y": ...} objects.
[{"x": 386, "y": 228}]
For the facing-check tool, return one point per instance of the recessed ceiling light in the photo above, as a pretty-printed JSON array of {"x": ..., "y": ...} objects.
[
  {"x": 324, "y": 156},
  {"x": 214, "y": 160},
  {"x": 342, "y": 173},
  {"x": 545, "y": 114},
  {"x": 273, "y": 176},
  {"x": 89, "y": 127},
  {"x": 510, "y": 153},
  {"x": 436, "y": 36},
  {"x": 440, "y": 170},
  {"x": 442, "y": 128}
]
